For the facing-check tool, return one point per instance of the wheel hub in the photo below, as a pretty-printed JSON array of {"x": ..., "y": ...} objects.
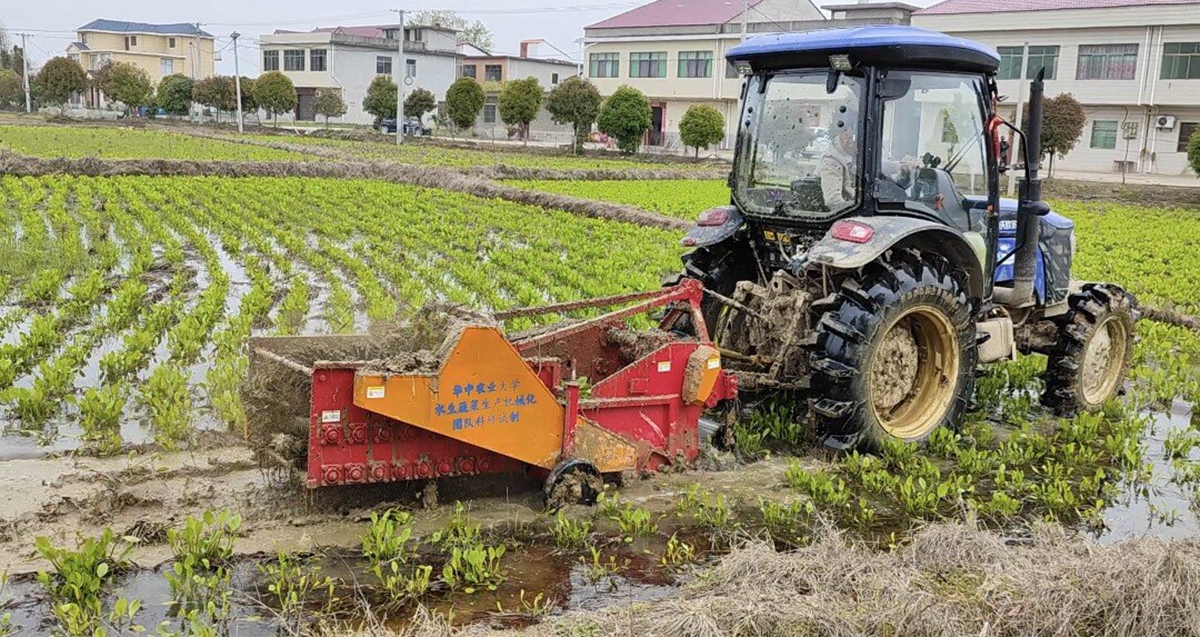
[
  {"x": 1103, "y": 360},
  {"x": 912, "y": 373},
  {"x": 894, "y": 372}
]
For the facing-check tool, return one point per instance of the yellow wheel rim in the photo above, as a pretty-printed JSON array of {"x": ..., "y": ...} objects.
[
  {"x": 1103, "y": 361},
  {"x": 913, "y": 373}
]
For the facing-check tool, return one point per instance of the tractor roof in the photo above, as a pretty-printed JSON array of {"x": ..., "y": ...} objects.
[{"x": 882, "y": 45}]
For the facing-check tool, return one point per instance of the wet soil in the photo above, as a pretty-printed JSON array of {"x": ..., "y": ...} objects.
[{"x": 142, "y": 495}]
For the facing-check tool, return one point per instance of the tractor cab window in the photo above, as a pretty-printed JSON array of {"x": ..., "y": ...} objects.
[
  {"x": 798, "y": 153},
  {"x": 933, "y": 154}
]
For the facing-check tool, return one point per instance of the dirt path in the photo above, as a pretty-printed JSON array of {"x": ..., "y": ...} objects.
[{"x": 143, "y": 495}]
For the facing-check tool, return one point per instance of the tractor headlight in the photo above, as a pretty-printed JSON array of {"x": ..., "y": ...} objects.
[{"x": 841, "y": 62}]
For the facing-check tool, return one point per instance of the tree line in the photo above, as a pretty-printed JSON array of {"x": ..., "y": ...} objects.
[{"x": 624, "y": 116}]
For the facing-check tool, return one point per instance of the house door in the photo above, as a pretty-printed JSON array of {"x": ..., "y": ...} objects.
[
  {"x": 306, "y": 108},
  {"x": 654, "y": 137}
]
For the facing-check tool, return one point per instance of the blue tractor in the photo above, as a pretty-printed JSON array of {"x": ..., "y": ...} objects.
[{"x": 872, "y": 276}]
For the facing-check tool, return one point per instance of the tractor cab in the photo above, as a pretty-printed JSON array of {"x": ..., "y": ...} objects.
[{"x": 867, "y": 263}]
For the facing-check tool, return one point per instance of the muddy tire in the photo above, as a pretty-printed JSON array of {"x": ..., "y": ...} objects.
[
  {"x": 894, "y": 354},
  {"x": 1088, "y": 362},
  {"x": 572, "y": 482}
]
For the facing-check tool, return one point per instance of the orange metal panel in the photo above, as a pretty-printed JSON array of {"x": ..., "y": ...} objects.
[
  {"x": 703, "y": 367},
  {"x": 484, "y": 395}
]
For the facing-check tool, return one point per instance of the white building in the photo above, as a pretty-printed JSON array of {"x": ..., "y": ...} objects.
[
  {"x": 348, "y": 58},
  {"x": 674, "y": 51},
  {"x": 1129, "y": 62}
]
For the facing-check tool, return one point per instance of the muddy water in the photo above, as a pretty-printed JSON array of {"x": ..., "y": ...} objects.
[
  {"x": 1160, "y": 508},
  {"x": 538, "y": 577}
]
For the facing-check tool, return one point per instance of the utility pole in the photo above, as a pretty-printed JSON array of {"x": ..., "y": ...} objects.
[
  {"x": 25, "y": 74},
  {"x": 745, "y": 17},
  {"x": 401, "y": 75},
  {"x": 237, "y": 79}
]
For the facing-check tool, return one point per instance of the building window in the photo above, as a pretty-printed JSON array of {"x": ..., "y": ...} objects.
[
  {"x": 492, "y": 73},
  {"x": 413, "y": 35},
  {"x": 695, "y": 64},
  {"x": 270, "y": 60},
  {"x": 170, "y": 43},
  {"x": 648, "y": 64},
  {"x": 1104, "y": 134},
  {"x": 293, "y": 60},
  {"x": 383, "y": 65},
  {"x": 410, "y": 67},
  {"x": 1042, "y": 57},
  {"x": 553, "y": 79},
  {"x": 83, "y": 38},
  {"x": 1186, "y": 130},
  {"x": 130, "y": 40},
  {"x": 316, "y": 60},
  {"x": 489, "y": 112},
  {"x": 604, "y": 64},
  {"x": 1181, "y": 61},
  {"x": 1010, "y": 62},
  {"x": 391, "y": 34},
  {"x": 1107, "y": 62},
  {"x": 731, "y": 72},
  {"x": 470, "y": 71},
  {"x": 168, "y": 66}
]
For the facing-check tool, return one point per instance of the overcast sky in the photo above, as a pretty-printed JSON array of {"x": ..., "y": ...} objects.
[{"x": 51, "y": 22}]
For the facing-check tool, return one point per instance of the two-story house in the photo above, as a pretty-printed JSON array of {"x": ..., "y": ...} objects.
[
  {"x": 674, "y": 51},
  {"x": 492, "y": 70},
  {"x": 348, "y": 58},
  {"x": 158, "y": 49},
  {"x": 1128, "y": 62}
]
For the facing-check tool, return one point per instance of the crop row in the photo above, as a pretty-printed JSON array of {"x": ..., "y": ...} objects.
[
  {"x": 138, "y": 327},
  {"x": 126, "y": 143},
  {"x": 431, "y": 154},
  {"x": 680, "y": 198}
]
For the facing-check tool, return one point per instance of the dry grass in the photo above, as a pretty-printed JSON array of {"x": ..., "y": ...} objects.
[{"x": 949, "y": 581}]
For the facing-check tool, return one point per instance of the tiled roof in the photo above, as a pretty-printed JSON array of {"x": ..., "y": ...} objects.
[
  {"x": 948, "y": 7},
  {"x": 80, "y": 45},
  {"x": 364, "y": 31},
  {"x": 120, "y": 26},
  {"x": 676, "y": 13}
]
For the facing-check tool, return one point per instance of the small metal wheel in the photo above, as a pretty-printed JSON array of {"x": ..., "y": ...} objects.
[{"x": 572, "y": 482}]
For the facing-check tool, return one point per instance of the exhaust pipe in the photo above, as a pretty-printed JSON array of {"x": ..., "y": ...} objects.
[{"x": 1030, "y": 206}]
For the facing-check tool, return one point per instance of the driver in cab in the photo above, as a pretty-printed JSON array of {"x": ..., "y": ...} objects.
[{"x": 838, "y": 168}]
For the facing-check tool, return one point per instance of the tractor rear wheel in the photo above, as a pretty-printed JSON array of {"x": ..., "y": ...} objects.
[
  {"x": 895, "y": 356},
  {"x": 1089, "y": 361}
]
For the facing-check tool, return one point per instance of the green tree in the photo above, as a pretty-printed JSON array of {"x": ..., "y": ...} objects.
[
  {"x": 519, "y": 103},
  {"x": 175, "y": 94},
  {"x": 575, "y": 101},
  {"x": 124, "y": 83},
  {"x": 249, "y": 104},
  {"x": 1193, "y": 152},
  {"x": 464, "y": 100},
  {"x": 216, "y": 92},
  {"x": 12, "y": 92},
  {"x": 329, "y": 103},
  {"x": 475, "y": 33},
  {"x": 701, "y": 127},
  {"x": 381, "y": 99},
  {"x": 275, "y": 94},
  {"x": 418, "y": 103},
  {"x": 625, "y": 115},
  {"x": 59, "y": 78},
  {"x": 1063, "y": 118}
]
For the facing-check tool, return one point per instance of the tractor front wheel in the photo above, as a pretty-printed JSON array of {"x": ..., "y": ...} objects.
[
  {"x": 1088, "y": 363},
  {"x": 895, "y": 356}
]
